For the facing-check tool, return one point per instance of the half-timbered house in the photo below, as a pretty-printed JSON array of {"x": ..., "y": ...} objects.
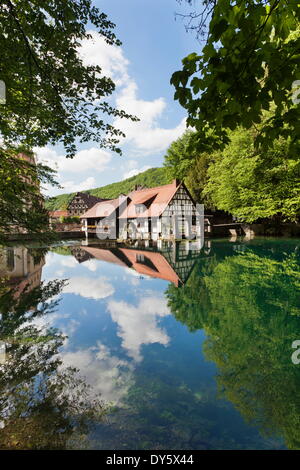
[
  {"x": 166, "y": 212},
  {"x": 162, "y": 213},
  {"x": 102, "y": 220},
  {"x": 81, "y": 202}
]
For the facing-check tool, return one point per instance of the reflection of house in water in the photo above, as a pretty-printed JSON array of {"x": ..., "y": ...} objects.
[
  {"x": 80, "y": 254},
  {"x": 2, "y": 352},
  {"x": 19, "y": 270},
  {"x": 174, "y": 262},
  {"x": 19, "y": 266}
]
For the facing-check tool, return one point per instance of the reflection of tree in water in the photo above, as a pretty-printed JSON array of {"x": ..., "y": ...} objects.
[
  {"x": 249, "y": 307},
  {"x": 42, "y": 404},
  {"x": 185, "y": 302},
  {"x": 163, "y": 412}
]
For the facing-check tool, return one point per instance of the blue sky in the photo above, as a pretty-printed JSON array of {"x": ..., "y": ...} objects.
[{"x": 153, "y": 45}]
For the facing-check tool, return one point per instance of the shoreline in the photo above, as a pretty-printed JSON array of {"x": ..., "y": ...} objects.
[{"x": 218, "y": 231}]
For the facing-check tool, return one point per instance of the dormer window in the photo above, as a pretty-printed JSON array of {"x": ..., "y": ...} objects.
[
  {"x": 139, "y": 208},
  {"x": 142, "y": 259}
]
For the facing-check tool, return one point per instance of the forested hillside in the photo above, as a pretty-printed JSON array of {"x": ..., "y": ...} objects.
[{"x": 149, "y": 178}]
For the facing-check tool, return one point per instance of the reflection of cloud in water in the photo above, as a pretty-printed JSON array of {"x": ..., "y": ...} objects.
[
  {"x": 50, "y": 259},
  {"x": 68, "y": 328},
  {"x": 107, "y": 374},
  {"x": 60, "y": 273},
  {"x": 90, "y": 288},
  {"x": 138, "y": 324},
  {"x": 91, "y": 265},
  {"x": 69, "y": 262},
  {"x": 134, "y": 273}
]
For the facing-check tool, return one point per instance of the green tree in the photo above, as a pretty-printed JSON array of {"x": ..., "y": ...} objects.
[
  {"x": 51, "y": 95},
  {"x": 21, "y": 204},
  {"x": 148, "y": 179},
  {"x": 252, "y": 184},
  {"x": 184, "y": 302},
  {"x": 197, "y": 178},
  {"x": 180, "y": 156},
  {"x": 183, "y": 160},
  {"x": 250, "y": 61},
  {"x": 250, "y": 338}
]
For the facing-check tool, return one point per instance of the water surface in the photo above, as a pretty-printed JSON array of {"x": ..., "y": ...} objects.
[{"x": 126, "y": 348}]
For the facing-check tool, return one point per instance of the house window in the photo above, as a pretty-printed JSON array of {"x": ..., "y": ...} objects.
[
  {"x": 139, "y": 208},
  {"x": 142, "y": 259},
  {"x": 10, "y": 259}
]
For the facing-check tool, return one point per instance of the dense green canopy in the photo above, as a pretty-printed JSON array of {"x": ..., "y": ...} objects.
[
  {"x": 250, "y": 59},
  {"x": 240, "y": 179},
  {"x": 183, "y": 160},
  {"x": 51, "y": 95},
  {"x": 148, "y": 179},
  {"x": 21, "y": 204},
  {"x": 252, "y": 184}
]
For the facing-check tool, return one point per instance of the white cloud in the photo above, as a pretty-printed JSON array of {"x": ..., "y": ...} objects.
[
  {"x": 146, "y": 135},
  {"x": 90, "y": 288},
  {"x": 94, "y": 159},
  {"x": 69, "y": 262},
  {"x": 107, "y": 374},
  {"x": 135, "y": 171},
  {"x": 91, "y": 265},
  {"x": 130, "y": 164},
  {"x": 96, "y": 51},
  {"x": 72, "y": 187},
  {"x": 143, "y": 138},
  {"x": 137, "y": 325},
  {"x": 68, "y": 328}
]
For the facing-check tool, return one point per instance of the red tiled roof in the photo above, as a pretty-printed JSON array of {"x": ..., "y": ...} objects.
[
  {"x": 142, "y": 198},
  {"x": 155, "y": 264},
  {"x": 160, "y": 196},
  {"x": 58, "y": 214},
  {"x": 104, "y": 255},
  {"x": 102, "y": 209},
  {"x": 162, "y": 268}
]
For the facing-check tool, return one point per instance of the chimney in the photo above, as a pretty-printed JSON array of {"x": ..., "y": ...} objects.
[{"x": 176, "y": 182}]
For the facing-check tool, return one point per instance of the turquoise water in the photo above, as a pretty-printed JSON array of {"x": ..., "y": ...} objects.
[{"x": 140, "y": 349}]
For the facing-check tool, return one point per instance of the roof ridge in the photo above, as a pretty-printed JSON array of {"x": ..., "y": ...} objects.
[
  {"x": 147, "y": 189},
  {"x": 108, "y": 200},
  {"x": 87, "y": 194}
]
